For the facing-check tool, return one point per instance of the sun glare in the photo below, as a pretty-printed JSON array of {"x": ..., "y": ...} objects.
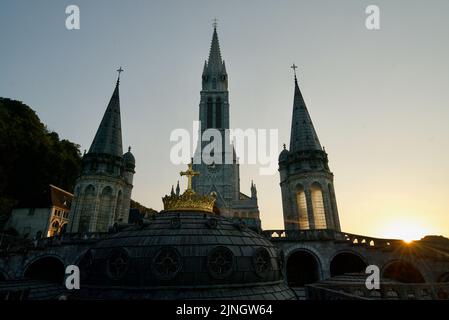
[{"x": 404, "y": 230}]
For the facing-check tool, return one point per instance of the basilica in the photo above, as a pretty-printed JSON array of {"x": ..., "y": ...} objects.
[{"x": 207, "y": 242}]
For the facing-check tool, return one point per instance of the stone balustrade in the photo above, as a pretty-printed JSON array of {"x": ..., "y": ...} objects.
[
  {"x": 387, "y": 291},
  {"x": 327, "y": 234},
  {"x": 10, "y": 243}
]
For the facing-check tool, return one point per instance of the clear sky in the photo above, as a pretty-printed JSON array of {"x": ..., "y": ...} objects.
[{"x": 379, "y": 100}]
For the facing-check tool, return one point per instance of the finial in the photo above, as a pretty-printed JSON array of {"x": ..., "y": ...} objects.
[
  {"x": 284, "y": 146},
  {"x": 190, "y": 173},
  {"x": 177, "y": 189},
  {"x": 214, "y": 23},
  {"x": 119, "y": 70},
  {"x": 84, "y": 151},
  {"x": 129, "y": 149},
  {"x": 189, "y": 200},
  {"x": 294, "y": 67}
]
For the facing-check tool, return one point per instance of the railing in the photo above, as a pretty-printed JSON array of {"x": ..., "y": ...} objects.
[
  {"x": 72, "y": 237},
  {"x": 387, "y": 291},
  {"x": 9, "y": 244},
  {"x": 327, "y": 234}
]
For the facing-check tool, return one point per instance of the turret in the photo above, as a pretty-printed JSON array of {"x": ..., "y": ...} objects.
[{"x": 308, "y": 196}]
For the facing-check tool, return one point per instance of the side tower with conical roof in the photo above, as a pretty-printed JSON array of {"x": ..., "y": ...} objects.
[
  {"x": 103, "y": 189},
  {"x": 222, "y": 179},
  {"x": 307, "y": 187}
]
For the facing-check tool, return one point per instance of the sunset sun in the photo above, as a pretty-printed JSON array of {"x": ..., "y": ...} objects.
[{"x": 404, "y": 230}]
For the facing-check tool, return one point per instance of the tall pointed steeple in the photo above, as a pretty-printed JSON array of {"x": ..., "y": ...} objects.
[
  {"x": 215, "y": 62},
  {"x": 214, "y": 71},
  {"x": 303, "y": 136},
  {"x": 221, "y": 177},
  {"x": 108, "y": 139},
  {"x": 103, "y": 189},
  {"x": 307, "y": 186}
]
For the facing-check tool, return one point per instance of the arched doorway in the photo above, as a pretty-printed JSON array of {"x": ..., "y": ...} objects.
[
  {"x": 346, "y": 262},
  {"x": 47, "y": 269},
  {"x": 402, "y": 271},
  {"x": 302, "y": 268}
]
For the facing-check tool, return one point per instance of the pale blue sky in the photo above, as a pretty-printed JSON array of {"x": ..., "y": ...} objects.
[{"x": 378, "y": 99}]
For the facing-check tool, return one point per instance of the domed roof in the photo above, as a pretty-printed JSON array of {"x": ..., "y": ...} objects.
[
  {"x": 129, "y": 158},
  {"x": 208, "y": 256}
]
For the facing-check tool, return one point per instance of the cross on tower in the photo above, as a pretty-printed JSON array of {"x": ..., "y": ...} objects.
[
  {"x": 294, "y": 67},
  {"x": 214, "y": 23},
  {"x": 190, "y": 173}
]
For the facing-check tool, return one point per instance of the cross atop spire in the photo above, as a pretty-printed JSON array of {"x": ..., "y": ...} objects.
[
  {"x": 215, "y": 23},
  {"x": 294, "y": 67},
  {"x": 119, "y": 70}
]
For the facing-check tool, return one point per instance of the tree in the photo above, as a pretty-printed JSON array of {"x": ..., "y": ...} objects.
[{"x": 31, "y": 158}]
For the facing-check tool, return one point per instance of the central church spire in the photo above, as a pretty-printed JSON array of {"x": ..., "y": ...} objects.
[
  {"x": 215, "y": 62},
  {"x": 214, "y": 71},
  {"x": 220, "y": 178}
]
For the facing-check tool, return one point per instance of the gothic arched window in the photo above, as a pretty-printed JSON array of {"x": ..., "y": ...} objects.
[
  {"x": 218, "y": 113},
  {"x": 332, "y": 199},
  {"x": 105, "y": 208},
  {"x": 90, "y": 190},
  {"x": 209, "y": 113},
  {"x": 318, "y": 206},
  {"x": 118, "y": 207},
  {"x": 302, "y": 209}
]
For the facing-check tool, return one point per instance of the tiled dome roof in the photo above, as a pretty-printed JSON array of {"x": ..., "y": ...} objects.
[{"x": 208, "y": 256}]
